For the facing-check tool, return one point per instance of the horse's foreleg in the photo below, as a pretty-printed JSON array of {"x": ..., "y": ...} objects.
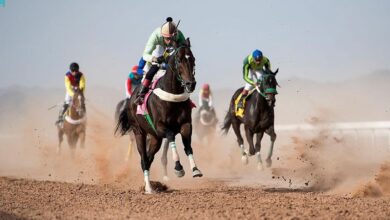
[
  {"x": 249, "y": 137},
  {"x": 186, "y": 132},
  {"x": 272, "y": 134},
  {"x": 145, "y": 165},
  {"x": 82, "y": 138},
  {"x": 240, "y": 140},
  {"x": 60, "y": 139},
  {"x": 179, "y": 171},
  {"x": 164, "y": 159},
  {"x": 259, "y": 136}
]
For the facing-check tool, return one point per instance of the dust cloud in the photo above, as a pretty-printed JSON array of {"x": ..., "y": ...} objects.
[{"x": 323, "y": 160}]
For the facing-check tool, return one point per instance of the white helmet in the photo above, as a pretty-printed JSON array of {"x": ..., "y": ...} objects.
[{"x": 168, "y": 29}]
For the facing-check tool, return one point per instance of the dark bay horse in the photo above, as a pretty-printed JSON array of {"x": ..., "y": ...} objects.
[
  {"x": 169, "y": 109},
  {"x": 258, "y": 118},
  {"x": 74, "y": 125}
]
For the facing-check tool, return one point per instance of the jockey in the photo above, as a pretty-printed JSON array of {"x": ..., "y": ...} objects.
[
  {"x": 74, "y": 79},
  {"x": 163, "y": 37},
  {"x": 133, "y": 80},
  {"x": 205, "y": 97},
  {"x": 253, "y": 69}
]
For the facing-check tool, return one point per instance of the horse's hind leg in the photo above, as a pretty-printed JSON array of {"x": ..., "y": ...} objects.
[
  {"x": 259, "y": 136},
  {"x": 249, "y": 137},
  {"x": 272, "y": 134},
  {"x": 179, "y": 171},
  {"x": 240, "y": 140},
  {"x": 130, "y": 147},
  {"x": 164, "y": 159},
  {"x": 186, "y": 132},
  {"x": 145, "y": 164}
]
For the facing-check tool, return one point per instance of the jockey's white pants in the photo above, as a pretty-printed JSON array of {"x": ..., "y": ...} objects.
[
  {"x": 68, "y": 98},
  {"x": 254, "y": 75}
]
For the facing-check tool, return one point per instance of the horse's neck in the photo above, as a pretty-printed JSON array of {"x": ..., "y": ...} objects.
[
  {"x": 73, "y": 112},
  {"x": 169, "y": 83},
  {"x": 261, "y": 108}
]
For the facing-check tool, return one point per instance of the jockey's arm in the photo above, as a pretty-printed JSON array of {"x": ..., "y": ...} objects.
[
  {"x": 245, "y": 71},
  {"x": 68, "y": 86},
  {"x": 267, "y": 64},
  {"x": 153, "y": 41},
  {"x": 200, "y": 97},
  {"x": 128, "y": 87},
  {"x": 211, "y": 99},
  {"x": 82, "y": 83}
]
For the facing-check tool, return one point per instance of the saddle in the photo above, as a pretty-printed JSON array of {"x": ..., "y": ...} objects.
[{"x": 240, "y": 111}]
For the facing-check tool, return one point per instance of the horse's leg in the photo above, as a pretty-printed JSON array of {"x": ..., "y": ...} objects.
[
  {"x": 145, "y": 165},
  {"x": 179, "y": 171},
  {"x": 82, "y": 137},
  {"x": 129, "y": 148},
  {"x": 60, "y": 139},
  {"x": 153, "y": 147},
  {"x": 259, "y": 136},
  {"x": 186, "y": 132},
  {"x": 164, "y": 159},
  {"x": 240, "y": 140},
  {"x": 249, "y": 137},
  {"x": 272, "y": 134}
]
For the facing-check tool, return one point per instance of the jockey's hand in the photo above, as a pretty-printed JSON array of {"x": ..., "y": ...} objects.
[{"x": 158, "y": 60}]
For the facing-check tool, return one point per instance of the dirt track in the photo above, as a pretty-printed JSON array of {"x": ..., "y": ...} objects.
[{"x": 21, "y": 198}]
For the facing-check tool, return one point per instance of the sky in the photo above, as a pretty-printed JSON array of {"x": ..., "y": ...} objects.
[{"x": 319, "y": 40}]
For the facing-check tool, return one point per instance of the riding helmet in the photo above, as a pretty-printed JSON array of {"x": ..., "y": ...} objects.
[
  {"x": 74, "y": 67},
  {"x": 168, "y": 29},
  {"x": 257, "y": 55}
]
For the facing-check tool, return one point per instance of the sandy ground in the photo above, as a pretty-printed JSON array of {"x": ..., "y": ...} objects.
[
  {"x": 30, "y": 199},
  {"x": 324, "y": 174}
]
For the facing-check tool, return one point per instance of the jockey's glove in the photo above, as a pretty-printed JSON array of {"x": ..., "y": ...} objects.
[{"x": 158, "y": 60}]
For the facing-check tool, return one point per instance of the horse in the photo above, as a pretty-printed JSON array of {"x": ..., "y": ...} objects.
[
  {"x": 205, "y": 123},
  {"x": 169, "y": 113},
  {"x": 258, "y": 118},
  {"x": 74, "y": 125}
]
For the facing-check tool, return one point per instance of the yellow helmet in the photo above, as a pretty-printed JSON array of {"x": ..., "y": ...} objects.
[{"x": 168, "y": 29}]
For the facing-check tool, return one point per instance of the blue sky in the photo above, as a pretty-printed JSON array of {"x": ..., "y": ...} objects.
[{"x": 318, "y": 40}]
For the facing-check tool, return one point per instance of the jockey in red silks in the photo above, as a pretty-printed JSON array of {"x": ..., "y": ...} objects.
[
  {"x": 133, "y": 80},
  {"x": 74, "y": 79}
]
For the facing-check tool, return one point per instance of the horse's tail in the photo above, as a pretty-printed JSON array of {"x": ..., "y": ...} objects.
[
  {"x": 227, "y": 122},
  {"x": 124, "y": 124},
  {"x": 118, "y": 108}
]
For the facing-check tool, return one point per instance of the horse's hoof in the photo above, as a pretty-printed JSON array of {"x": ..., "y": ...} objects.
[
  {"x": 269, "y": 162},
  {"x": 149, "y": 192},
  {"x": 179, "y": 173},
  {"x": 196, "y": 172},
  {"x": 166, "y": 178},
  {"x": 244, "y": 159}
]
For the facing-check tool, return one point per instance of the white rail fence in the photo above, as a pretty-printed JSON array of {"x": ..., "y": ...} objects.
[{"x": 374, "y": 127}]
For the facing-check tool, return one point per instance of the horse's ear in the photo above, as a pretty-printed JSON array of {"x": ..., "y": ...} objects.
[
  {"x": 277, "y": 70},
  {"x": 188, "y": 42}
]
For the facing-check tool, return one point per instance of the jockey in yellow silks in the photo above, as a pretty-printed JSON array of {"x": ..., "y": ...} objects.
[{"x": 74, "y": 79}]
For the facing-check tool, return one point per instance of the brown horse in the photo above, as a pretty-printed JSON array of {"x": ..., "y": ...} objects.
[
  {"x": 74, "y": 125},
  {"x": 258, "y": 118},
  {"x": 169, "y": 110}
]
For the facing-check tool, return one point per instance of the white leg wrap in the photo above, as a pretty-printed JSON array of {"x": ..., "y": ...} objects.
[
  {"x": 192, "y": 162},
  {"x": 242, "y": 149},
  {"x": 148, "y": 187},
  {"x": 175, "y": 155}
]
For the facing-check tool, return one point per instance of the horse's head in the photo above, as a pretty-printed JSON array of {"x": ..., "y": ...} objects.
[
  {"x": 183, "y": 64},
  {"x": 78, "y": 102},
  {"x": 268, "y": 86}
]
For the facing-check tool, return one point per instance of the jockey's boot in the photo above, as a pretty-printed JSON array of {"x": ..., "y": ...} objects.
[
  {"x": 240, "y": 103},
  {"x": 142, "y": 92},
  {"x": 61, "y": 113}
]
